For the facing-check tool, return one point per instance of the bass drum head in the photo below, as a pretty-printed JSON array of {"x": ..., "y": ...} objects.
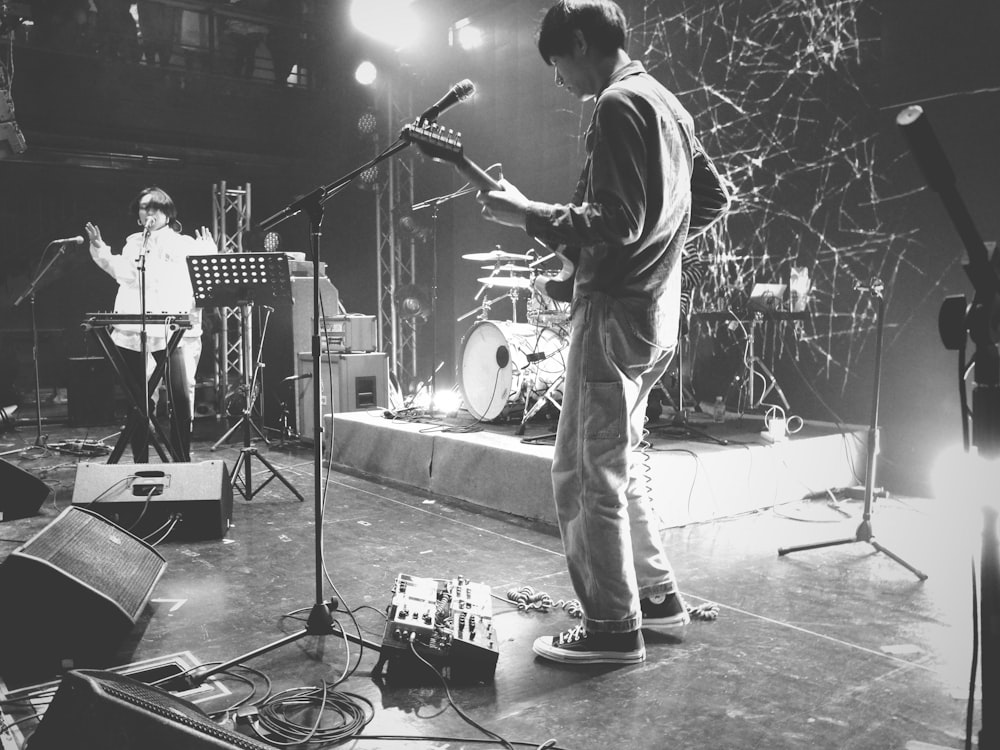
[{"x": 486, "y": 370}]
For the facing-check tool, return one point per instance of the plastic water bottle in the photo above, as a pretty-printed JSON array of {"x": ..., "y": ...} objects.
[{"x": 719, "y": 409}]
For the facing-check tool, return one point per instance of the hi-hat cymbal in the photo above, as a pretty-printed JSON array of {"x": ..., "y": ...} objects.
[
  {"x": 506, "y": 282},
  {"x": 508, "y": 267},
  {"x": 498, "y": 256}
]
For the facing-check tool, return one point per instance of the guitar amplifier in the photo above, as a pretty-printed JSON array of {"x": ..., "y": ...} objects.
[
  {"x": 351, "y": 382},
  {"x": 349, "y": 333}
]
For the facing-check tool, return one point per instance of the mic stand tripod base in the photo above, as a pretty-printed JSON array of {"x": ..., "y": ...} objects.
[
  {"x": 319, "y": 623},
  {"x": 863, "y": 534},
  {"x": 245, "y": 488}
]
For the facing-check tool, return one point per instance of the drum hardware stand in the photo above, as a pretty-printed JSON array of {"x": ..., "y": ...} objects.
[
  {"x": 287, "y": 433},
  {"x": 320, "y": 620},
  {"x": 679, "y": 422},
  {"x": 250, "y": 278},
  {"x": 756, "y": 367},
  {"x": 546, "y": 397},
  {"x": 434, "y": 204},
  {"x": 864, "y": 532}
]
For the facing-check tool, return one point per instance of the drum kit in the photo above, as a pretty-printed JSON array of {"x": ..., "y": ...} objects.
[{"x": 506, "y": 366}]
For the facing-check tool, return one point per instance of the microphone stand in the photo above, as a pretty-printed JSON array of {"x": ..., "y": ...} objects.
[
  {"x": 434, "y": 204},
  {"x": 320, "y": 621},
  {"x": 29, "y": 294},
  {"x": 980, "y": 321},
  {"x": 143, "y": 344}
]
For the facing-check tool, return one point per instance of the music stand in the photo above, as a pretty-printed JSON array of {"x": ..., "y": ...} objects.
[{"x": 243, "y": 280}]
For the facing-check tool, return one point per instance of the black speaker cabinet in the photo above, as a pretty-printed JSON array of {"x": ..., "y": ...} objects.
[
  {"x": 71, "y": 594},
  {"x": 90, "y": 392},
  {"x": 21, "y": 495},
  {"x": 147, "y": 498},
  {"x": 95, "y": 710},
  {"x": 351, "y": 382}
]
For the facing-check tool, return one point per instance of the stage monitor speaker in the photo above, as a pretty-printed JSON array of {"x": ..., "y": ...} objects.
[
  {"x": 96, "y": 710},
  {"x": 21, "y": 495},
  {"x": 359, "y": 382},
  {"x": 148, "y": 498},
  {"x": 71, "y": 594}
]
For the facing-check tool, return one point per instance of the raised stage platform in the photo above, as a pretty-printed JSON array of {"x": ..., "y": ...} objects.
[{"x": 691, "y": 479}]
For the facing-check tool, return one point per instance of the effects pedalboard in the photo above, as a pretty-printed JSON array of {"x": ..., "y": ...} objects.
[{"x": 449, "y": 623}]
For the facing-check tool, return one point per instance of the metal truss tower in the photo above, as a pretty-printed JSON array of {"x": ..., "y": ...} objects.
[
  {"x": 396, "y": 252},
  {"x": 230, "y": 222}
]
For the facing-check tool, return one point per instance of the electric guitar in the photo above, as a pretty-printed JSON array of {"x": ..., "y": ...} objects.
[{"x": 445, "y": 145}]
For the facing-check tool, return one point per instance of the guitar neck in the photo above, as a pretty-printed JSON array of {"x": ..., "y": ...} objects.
[{"x": 476, "y": 174}]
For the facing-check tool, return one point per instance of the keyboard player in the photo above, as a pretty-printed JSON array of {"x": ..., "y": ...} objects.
[{"x": 168, "y": 290}]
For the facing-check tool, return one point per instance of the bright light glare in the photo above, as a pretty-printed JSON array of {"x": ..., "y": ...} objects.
[
  {"x": 447, "y": 402},
  {"x": 470, "y": 37},
  {"x": 391, "y": 21},
  {"x": 366, "y": 73},
  {"x": 966, "y": 478}
]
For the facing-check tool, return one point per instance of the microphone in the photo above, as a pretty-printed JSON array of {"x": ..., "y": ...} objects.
[
  {"x": 457, "y": 93},
  {"x": 150, "y": 221},
  {"x": 78, "y": 240}
]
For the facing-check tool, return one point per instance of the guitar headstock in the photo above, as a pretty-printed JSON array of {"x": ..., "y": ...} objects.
[{"x": 434, "y": 140}]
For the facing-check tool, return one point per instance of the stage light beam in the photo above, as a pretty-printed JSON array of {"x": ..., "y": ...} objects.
[
  {"x": 393, "y": 22},
  {"x": 366, "y": 73}
]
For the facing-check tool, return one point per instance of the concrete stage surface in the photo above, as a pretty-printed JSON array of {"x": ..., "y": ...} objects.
[{"x": 691, "y": 479}]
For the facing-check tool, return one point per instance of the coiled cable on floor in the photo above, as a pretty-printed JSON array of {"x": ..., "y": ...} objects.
[
  {"x": 278, "y": 716},
  {"x": 526, "y": 598}
]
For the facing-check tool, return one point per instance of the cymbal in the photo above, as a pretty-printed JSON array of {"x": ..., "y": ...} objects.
[
  {"x": 506, "y": 282},
  {"x": 510, "y": 267},
  {"x": 497, "y": 256}
]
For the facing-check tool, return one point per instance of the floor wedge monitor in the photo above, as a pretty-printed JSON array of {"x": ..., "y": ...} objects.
[
  {"x": 173, "y": 501},
  {"x": 71, "y": 594},
  {"x": 21, "y": 494}
]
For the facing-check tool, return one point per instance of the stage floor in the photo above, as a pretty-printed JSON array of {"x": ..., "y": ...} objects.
[
  {"x": 836, "y": 649},
  {"x": 692, "y": 477}
]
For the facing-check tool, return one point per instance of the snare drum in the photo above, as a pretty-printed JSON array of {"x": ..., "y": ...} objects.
[{"x": 499, "y": 360}]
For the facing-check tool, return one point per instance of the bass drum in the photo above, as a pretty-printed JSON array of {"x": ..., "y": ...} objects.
[{"x": 499, "y": 360}]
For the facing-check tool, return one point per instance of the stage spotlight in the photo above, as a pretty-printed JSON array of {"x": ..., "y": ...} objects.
[
  {"x": 367, "y": 123},
  {"x": 410, "y": 227},
  {"x": 272, "y": 242},
  {"x": 369, "y": 179},
  {"x": 366, "y": 73},
  {"x": 412, "y": 302},
  {"x": 393, "y": 22},
  {"x": 465, "y": 35}
]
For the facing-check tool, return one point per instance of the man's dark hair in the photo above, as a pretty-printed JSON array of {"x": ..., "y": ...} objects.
[{"x": 602, "y": 22}]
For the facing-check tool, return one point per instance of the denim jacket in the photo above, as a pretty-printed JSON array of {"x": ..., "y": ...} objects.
[{"x": 629, "y": 215}]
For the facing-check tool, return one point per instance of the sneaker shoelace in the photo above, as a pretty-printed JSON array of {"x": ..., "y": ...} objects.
[{"x": 573, "y": 635}]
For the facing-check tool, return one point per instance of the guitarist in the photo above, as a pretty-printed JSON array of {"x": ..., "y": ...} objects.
[{"x": 630, "y": 219}]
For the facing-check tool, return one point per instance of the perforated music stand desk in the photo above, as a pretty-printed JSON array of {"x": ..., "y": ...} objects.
[
  {"x": 241, "y": 280},
  {"x": 235, "y": 279}
]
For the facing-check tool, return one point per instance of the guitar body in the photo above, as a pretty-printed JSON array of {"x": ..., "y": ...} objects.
[
  {"x": 710, "y": 198},
  {"x": 444, "y": 145}
]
